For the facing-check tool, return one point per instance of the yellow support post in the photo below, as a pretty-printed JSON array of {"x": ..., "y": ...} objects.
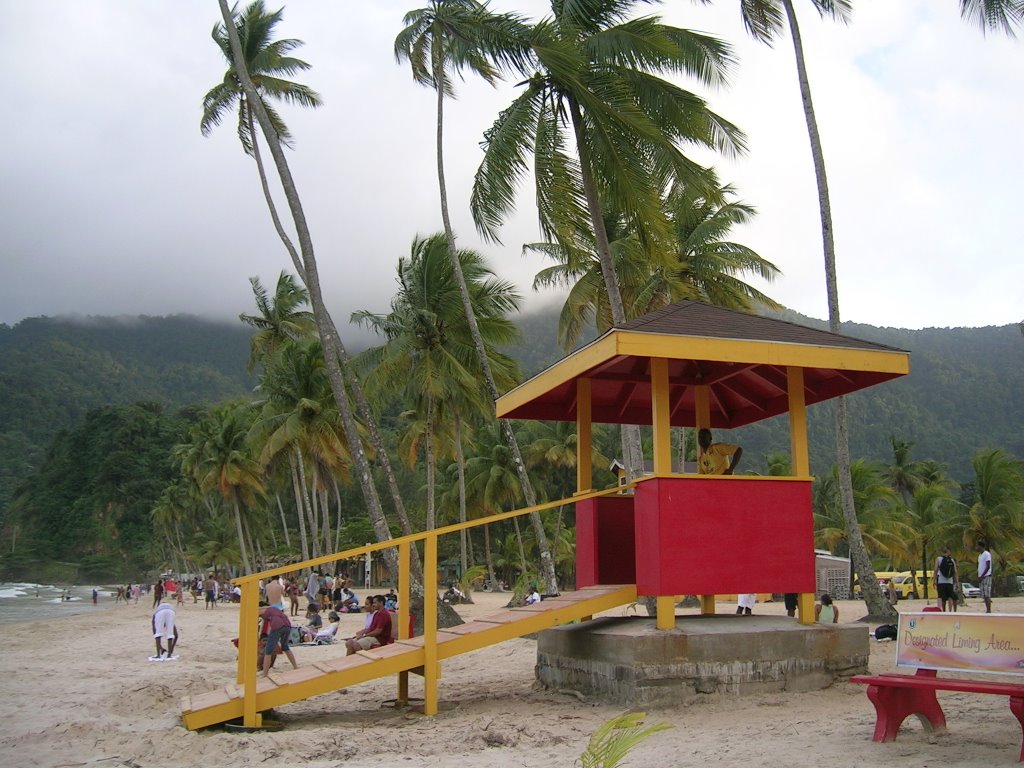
[
  {"x": 404, "y": 550},
  {"x": 666, "y": 612},
  {"x": 584, "y": 436},
  {"x": 707, "y": 605},
  {"x": 805, "y": 607},
  {"x": 662, "y": 428},
  {"x": 430, "y": 667},
  {"x": 797, "y": 422},
  {"x": 247, "y": 647}
]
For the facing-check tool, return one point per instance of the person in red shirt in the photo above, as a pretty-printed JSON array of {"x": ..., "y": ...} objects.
[
  {"x": 377, "y": 633},
  {"x": 277, "y": 627}
]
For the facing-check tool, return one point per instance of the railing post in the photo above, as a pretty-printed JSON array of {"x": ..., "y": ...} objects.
[
  {"x": 430, "y": 624},
  {"x": 404, "y": 613},
  {"x": 248, "y": 645}
]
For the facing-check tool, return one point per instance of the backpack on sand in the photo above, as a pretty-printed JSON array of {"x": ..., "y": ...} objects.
[{"x": 886, "y": 632}]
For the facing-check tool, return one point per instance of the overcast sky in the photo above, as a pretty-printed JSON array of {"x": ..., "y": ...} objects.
[{"x": 112, "y": 202}]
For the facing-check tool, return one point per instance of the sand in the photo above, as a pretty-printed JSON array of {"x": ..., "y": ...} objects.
[{"x": 79, "y": 691}]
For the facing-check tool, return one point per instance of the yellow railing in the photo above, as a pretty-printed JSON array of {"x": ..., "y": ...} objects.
[{"x": 248, "y": 613}]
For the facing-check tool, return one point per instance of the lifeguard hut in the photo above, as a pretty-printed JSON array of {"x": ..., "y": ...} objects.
[{"x": 695, "y": 365}]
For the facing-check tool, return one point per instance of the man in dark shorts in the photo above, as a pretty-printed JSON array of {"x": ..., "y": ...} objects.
[
  {"x": 946, "y": 578},
  {"x": 277, "y": 626},
  {"x": 210, "y": 587}
]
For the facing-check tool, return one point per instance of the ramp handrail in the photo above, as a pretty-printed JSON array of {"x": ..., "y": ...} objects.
[{"x": 249, "y": 603}]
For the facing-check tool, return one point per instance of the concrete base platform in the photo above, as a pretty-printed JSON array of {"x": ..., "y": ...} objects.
[{"x": 628, "y": 661}]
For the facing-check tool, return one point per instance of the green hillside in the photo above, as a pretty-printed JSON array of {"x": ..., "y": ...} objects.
[
  {"x": 61, "y": 378},
  {"x": 53, "y": 371}
]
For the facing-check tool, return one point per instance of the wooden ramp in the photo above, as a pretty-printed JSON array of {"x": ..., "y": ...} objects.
[{"x": 310, "y": 680}]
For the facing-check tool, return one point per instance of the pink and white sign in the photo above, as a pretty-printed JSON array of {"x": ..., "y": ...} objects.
[{"x": 986, "y": 642}]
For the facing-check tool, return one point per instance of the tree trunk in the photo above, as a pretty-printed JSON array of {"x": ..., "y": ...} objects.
[
  {"x": 489, "y": 558},
  {"x": 240, "y": 534},
  {"x": 284, "y": 521},
  {"x": 547, "y": 566},
  {"x": 877, "y": 605},
  {"x": 297, "y": 490},
  {"x": 460, "y": 463},
  {"x": 632, "y": 446},
  {"x": 334, "y": 350},
  {"x": 429, "y": 450}
]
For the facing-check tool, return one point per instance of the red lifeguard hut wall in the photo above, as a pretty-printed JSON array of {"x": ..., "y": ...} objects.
[{"x": 696, "y": 365}]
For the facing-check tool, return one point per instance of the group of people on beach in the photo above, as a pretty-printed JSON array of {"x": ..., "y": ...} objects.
[{"x": 276, "y": 626}]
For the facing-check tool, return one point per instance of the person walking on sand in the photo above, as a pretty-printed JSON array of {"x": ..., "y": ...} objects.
[
  {"x": 716, "y": 458},
  {"x": 210, "y": 588},
  {"x": 985, "y": 575},
  {"x": 278, "y": 627},
  {"x": 164, "y": 628}
]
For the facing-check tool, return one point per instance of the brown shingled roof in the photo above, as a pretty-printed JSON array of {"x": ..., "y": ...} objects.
[{"x": 694, "y": 318}]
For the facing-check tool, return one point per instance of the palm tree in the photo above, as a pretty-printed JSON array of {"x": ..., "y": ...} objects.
[
  {"x": 764, "y": 20},
  {"x": 874, "y": 504},
  {"x": 931, "y": 518},
  {"x": 463, "y": 34},
  {"x": 280, "y": 318},
  {"x": 224, "y": 464},
  {"x": 597, "y": 73},
  {"x": 306, "y": 265},
  {"x": 994, "y": 14},
  {"x": 299, "y": 424},
  {"x": 429, "y": 353},
  {"x": 267, "y": 61},
  {"x": 699, "y": 263},
  {"x": 996, "y": 511}
]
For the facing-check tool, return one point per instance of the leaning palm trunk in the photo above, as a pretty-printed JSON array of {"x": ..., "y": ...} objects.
[
  {"x": 334, "y": 350},
  {"x": 297, "y": 490},
  {"x": 241, "y": 535},
  {"x": 460, "y": 462},
  {"x": 547, "y": 564},
  {"x": 632, "y": 450},
  {"x": 876, "y": 603},
  {"x": 284, "y": 522}
]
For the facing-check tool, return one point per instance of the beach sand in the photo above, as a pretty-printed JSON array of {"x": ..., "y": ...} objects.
[{"x": 79, "y": 691}]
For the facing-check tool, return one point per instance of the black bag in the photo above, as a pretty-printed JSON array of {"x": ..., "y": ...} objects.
[
  {"x": 946, "y": 567},
  {"x": 886, "y": 632}
]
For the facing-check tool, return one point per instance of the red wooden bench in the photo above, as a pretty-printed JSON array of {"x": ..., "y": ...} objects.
[{"x": 896, "y": 696}]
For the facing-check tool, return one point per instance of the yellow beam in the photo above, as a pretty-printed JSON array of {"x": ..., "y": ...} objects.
[
  {"x": 584, "y": 436},
  {"x": 805, "y": 607},
  {"x": 759, "y": 352},
  {"x": 707, "y": 605},
  {"x": 660, "y": 408},
  {"x": 247, "y": 648},
  {"x": 799, "y": 455},
  {"x": 430, "y": 625},
  {"x": 666, "y": 616},
  {"x": 404, "y": 612},
  {"x": 567, "y": 369}
]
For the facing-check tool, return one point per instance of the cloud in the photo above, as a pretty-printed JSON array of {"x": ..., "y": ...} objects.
[{"x": 114, "y": 203}]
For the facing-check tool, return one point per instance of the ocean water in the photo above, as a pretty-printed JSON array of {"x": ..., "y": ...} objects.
[{"x": 32, "y": 602}]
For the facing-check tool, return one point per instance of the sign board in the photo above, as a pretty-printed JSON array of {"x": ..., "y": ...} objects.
[{"x": 978, "y": 642}]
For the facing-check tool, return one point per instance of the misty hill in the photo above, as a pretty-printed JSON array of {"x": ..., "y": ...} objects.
[
  {"x": 53, "y": 371},
  {"x": 963, "y": 394}
]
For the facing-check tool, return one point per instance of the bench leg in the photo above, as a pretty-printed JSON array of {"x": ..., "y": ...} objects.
[
  {"x": 1017, "y": 707},
  {"x": 894, "y": 704}
]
